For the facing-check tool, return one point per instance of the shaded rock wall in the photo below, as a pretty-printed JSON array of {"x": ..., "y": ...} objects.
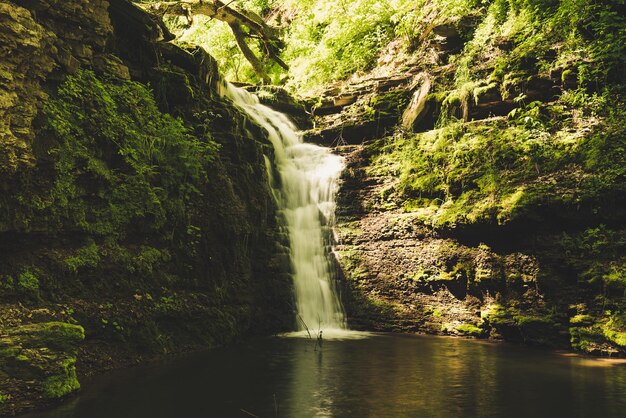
[{"x": 134, "y": 204}]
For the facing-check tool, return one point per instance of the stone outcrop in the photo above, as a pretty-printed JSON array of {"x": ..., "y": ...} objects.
[
  {"x": 25, "y": 48},
  {"x": 359, "y": 112},
  {"x": 402, "y": 275}
]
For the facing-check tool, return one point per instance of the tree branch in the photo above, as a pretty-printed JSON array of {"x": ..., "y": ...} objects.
[
  {"x": 240, "y": 36},
  {"x": 236, "y": 19}
]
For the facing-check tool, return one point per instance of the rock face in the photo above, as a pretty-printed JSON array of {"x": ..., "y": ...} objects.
[
  {"x": 359, "y": 112},
  {"x": 21, "y": 71},
  {"x": 136, "y": 212},
  {"x": 401, "y": 274},
  {"x": 404, "y": 276},
  {"x": 491, "y": 206}
]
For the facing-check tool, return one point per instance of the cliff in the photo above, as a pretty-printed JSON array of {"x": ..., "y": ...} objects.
[
  {"x": 484, "y": 189},
  {"x": 135, "y": 213}
]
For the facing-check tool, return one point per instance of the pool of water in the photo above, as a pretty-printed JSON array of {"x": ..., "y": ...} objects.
[{"x": 376, "y": 376}]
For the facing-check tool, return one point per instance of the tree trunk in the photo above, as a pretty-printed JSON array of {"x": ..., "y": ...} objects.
[{"x": 257, "y": 65}]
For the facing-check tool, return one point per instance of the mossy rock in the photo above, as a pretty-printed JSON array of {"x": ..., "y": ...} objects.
[
  {"x": 173, "y": 87},
  {"x": 589, "y": 340},
  {"x": 537, "y": 329},
  {"x": 470, "y": 330},
  {"x": 38, "y": 351},
  {"x": 55, "y": 335},
  {"x": 62, "y": 383},
  {"x": 390, "y": 103}
]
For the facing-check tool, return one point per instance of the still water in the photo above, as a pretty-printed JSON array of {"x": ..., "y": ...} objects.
[{"x": 377, "y": 376}]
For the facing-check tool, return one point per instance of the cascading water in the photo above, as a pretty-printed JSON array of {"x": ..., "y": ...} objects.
[{"x": 306, "y": 196}]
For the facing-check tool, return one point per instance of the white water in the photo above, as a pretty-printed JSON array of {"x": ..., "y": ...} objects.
[{"x": 306, "y": 196}]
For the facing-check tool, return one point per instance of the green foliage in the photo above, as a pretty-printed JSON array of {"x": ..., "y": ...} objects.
[
  {"x": 597, "y": 254},
  {"x": 590, "y": 36},
  {"x": 148, "y": 258},
  {"x": 331, "y": 40},
  {"x": 120, "y": 164},
  {"x": 217, "y": 38},
  {"x": 26, "y": 284},
  {"x": 3, "y": 398},
  {"x": 615, "y": 330},
  {"x": 500, "y": 169},
  {"x": 86, "y": 257}
]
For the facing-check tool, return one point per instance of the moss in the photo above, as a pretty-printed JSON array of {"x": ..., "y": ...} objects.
[
  {"x": 57, "y": 335},
  {"x": 8, "y": 350},
  {"x": 421, "y": 276},
  {"x": 501, "y": 170},
  {"x": 581, "y": 320},
  {"x": 471, "y": 330},
  {"x": 390, "y": 103},
  {"x": 3, "y": 398},
  {"x": 586, "y": 339},
  {"x": 63, "y": 383}
]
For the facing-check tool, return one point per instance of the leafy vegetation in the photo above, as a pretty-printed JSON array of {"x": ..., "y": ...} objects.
[
  {"x": 332, "y": 40},
  {"x": 498, "y": 170},
  {"x": 119, "y": 159}
]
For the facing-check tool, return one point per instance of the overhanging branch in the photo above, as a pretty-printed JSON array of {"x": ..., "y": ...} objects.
[{"x": 236, "y": 19}]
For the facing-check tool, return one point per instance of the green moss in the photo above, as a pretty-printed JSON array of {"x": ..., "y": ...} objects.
[
  {"x": 120, "y": 164},
  {"x": 497, "y": 171},
  {"x": 57, "y": 335},
  {"x": 63, "y": 383},
  {"x": 421, "y": 276},
  {"x": 470, "y": 329},
  {"x": 173, "y": 88},
  {"x": 586, "y": 339},
  {"x": 499, "y": 316},
  {"x": 581, "y": 320},
  {"x": 3, "y": 398},
  {"x": 392, "y": 102}
]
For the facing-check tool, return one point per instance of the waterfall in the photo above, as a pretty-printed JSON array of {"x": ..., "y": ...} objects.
[{"x": 305, "y": 195}]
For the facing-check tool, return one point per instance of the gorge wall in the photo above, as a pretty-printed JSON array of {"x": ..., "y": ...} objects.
[
  {"x": 135, "y": 213},
  {"x": 484, "y": 189}
]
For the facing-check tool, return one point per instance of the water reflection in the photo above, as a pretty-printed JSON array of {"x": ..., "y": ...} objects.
[{"x": 381, "y": 376}]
